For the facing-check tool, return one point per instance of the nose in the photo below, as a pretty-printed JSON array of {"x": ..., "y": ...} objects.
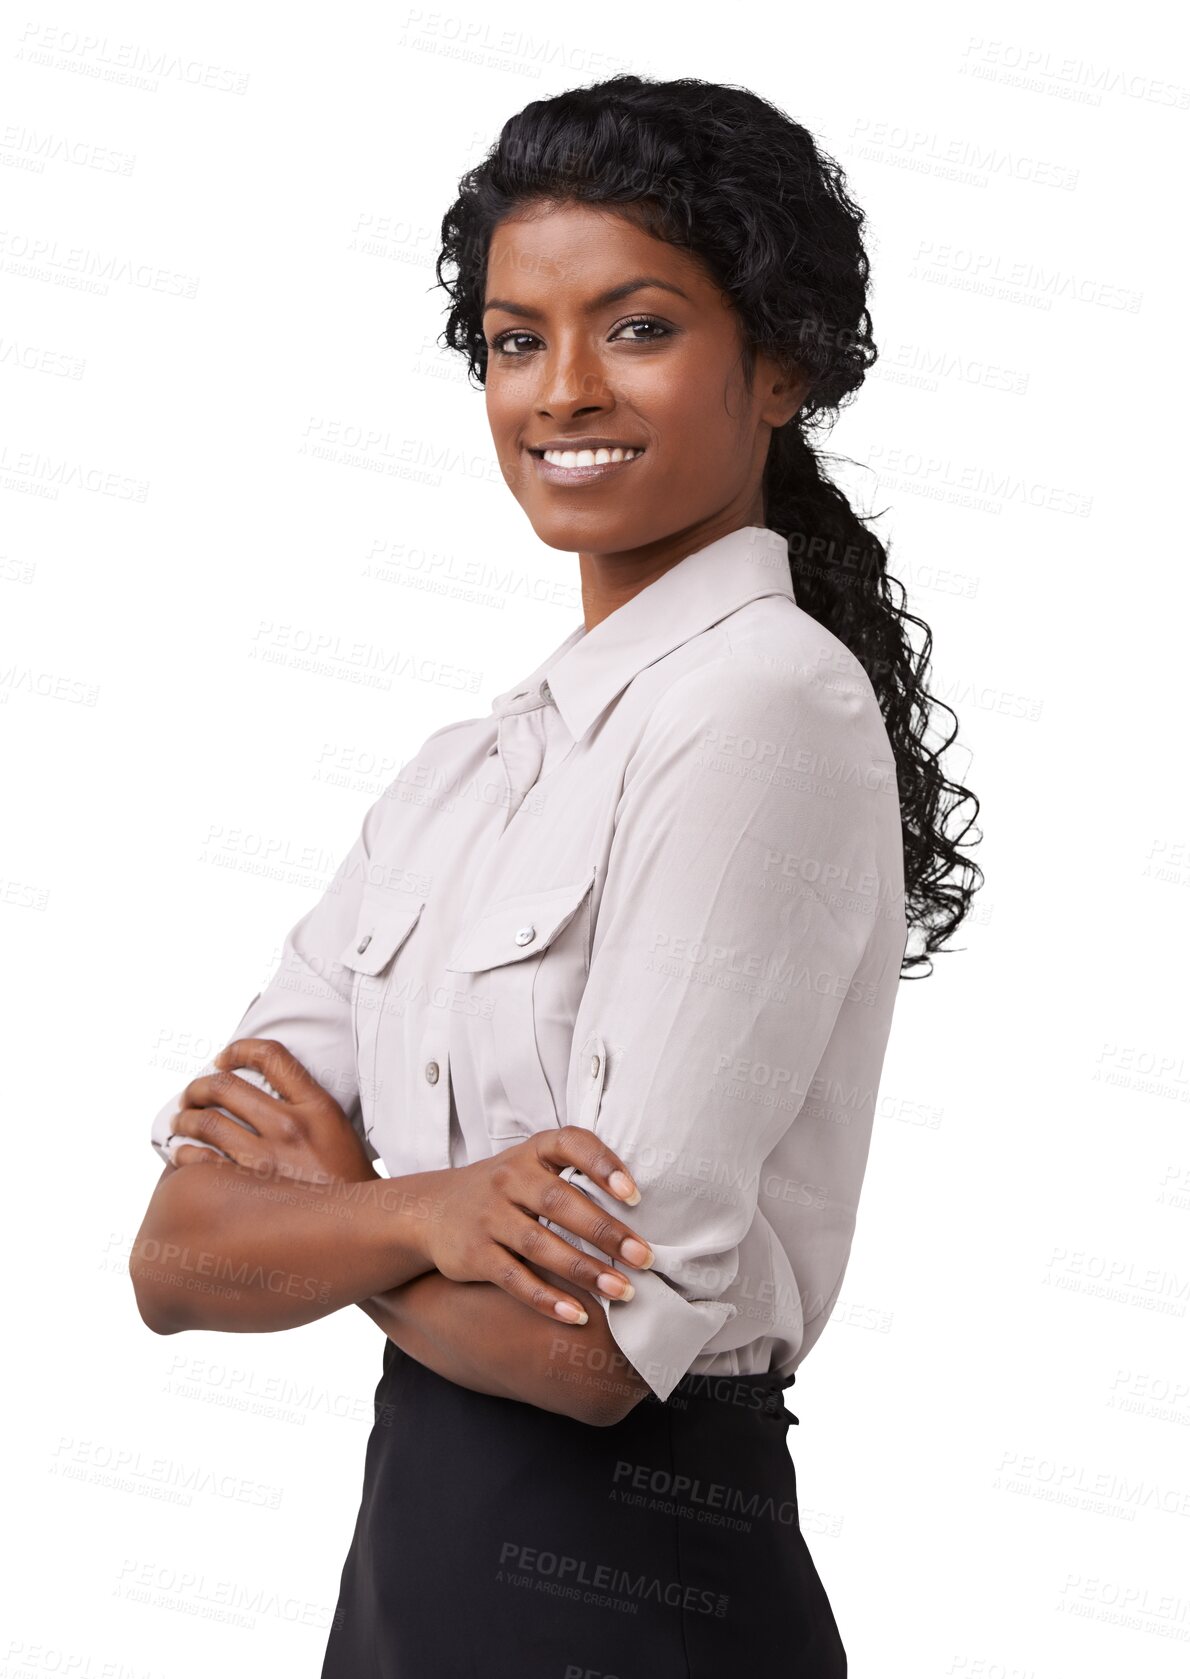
[{"x": 573, "y": 381}]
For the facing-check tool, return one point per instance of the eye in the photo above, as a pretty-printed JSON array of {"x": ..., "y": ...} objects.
[
  {"x": 660, "y": 330},
  {"x": 502, "y": 338},
  {"x": 644, "y": 320}
]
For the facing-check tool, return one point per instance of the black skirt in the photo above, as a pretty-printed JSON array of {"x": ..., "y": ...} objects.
[{"x": 496, "y": 1540}]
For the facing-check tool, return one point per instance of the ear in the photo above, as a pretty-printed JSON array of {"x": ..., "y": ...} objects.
[
  {"x": 788, "y": 390},
  {"x": 784, "y": 386}
]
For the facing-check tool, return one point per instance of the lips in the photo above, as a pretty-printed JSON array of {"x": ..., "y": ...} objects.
[{"x": 578, "y": 477}]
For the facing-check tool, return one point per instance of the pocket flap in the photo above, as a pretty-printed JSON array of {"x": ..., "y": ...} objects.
[
  {"x": 383, "y": 925},
  {"x": 519, "y": 927}
]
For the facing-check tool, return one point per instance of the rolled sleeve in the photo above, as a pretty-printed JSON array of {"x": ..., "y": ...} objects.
[
  {"x": 660, "y": 1331},
  {"x": 725, "y": 946}
]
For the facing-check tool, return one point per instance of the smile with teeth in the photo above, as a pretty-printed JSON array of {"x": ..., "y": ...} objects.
[{"x": 587, "y": 457}]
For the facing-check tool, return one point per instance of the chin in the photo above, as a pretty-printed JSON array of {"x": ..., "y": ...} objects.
[{"x": 593, "y": 532}]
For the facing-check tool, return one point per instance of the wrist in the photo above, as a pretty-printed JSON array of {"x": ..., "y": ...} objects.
[{"x": 406, "y": 1210}]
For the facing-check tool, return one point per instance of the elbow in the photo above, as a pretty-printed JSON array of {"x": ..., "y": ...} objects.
[
  {"x": 150, "y": 1303},
  {"x": 159, "y": 1326},
  {"x": 602, "y": 1404},
  {"x": 155, "y": 1282},
  {"x": 607, "y": 1416},
  {"x": 614, "y": 1386},
  {"x": 596, "y": 1412},
  {"x": 606, "y": 1408}
]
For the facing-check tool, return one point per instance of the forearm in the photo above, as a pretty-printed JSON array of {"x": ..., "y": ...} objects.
[
  {"x": 221, "y": 1249},
  {"x": 479, "y": 1337}
]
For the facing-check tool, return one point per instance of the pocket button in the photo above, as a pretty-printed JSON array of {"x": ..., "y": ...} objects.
[
  {"x": 525, "y": 935},
  {"x": 431, "y": 1072}
]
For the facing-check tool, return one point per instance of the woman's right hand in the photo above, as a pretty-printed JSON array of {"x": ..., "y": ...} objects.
[{"x": 487, "y": 1214}]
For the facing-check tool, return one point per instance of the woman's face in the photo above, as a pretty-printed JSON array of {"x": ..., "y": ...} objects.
[{"x": 658, "y": 368}]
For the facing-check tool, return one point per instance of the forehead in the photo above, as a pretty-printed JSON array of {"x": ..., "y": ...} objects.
[{"x": 581, "y": 249}]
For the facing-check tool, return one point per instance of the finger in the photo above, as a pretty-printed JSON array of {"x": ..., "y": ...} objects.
[
  {"x": 228, "y": 1090},
  {"x": 546, "y": 1248},
  {"x": 522, "y": 1284},
  {"x": 574, "y": 1145},
  {"x": 552, "y": 1277},
  {"x": 565, "y": 1204},
  {"x": 208, "y": 1125},
  {"x": 283, "y": 1070},
  {"x": 183, "y": 1155}
]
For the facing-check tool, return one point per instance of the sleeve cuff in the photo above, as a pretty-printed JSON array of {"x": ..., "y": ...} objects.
[
  {"x": 163, "y": 1123},
  {"x": 659, "y": 1331},
  {"x": 159, "y": 1136}
]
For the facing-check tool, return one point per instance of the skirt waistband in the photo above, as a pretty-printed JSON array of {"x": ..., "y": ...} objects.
[{"x": 762, "y": 1394}]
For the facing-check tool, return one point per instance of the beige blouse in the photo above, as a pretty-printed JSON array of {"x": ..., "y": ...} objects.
[{"x": 657, "y": 892}]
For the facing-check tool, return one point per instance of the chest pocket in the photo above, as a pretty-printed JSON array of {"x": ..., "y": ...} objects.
[
  {"x": 527, "y": 958},
  {"x": 385, "y": 922}
]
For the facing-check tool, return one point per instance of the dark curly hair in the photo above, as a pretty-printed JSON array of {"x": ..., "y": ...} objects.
[{"x": 725, "y": 175}]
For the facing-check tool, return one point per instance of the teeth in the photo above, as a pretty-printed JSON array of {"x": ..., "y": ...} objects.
[{"x": 589, "y": 457}]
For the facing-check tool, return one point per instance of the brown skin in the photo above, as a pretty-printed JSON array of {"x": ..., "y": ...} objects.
[
  {"x": 566, "y": 369},
  {"x": 570, "y": 367},
  {"x": 299, "y": 1183}
]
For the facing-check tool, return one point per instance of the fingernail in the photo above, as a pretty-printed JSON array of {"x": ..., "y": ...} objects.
[
  {"x": 636, "y": 1253},
  {"x": 572, "y": 1314},
  {"x": 620, "y": 1287},
  {"x": 624, "y": 1187}
]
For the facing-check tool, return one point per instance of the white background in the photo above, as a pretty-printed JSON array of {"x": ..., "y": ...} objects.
[{"x": 992, "y": 1454}]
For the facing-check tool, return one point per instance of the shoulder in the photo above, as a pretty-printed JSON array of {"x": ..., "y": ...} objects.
[
  {"x": 460, "y": 736},
  {"x": 451, "y": 752},
  {"x": 772, "y": 667},
  {"x": 777, "y": 710}
]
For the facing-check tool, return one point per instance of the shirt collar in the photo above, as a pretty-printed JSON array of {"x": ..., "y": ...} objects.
[{"x": 590, "y": 668}]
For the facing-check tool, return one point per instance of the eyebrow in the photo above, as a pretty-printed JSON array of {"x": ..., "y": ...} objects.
[{"x": 614, "y": 295}]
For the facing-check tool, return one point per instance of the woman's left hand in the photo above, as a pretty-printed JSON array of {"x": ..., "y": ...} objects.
[{"x": 300, "y": 1134}]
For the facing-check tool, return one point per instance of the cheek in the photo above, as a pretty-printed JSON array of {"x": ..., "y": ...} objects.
[
  {"x": 506, "y": 419},
  {"x": 685, "y": 407},
  {"x": 504, "y": 394}
]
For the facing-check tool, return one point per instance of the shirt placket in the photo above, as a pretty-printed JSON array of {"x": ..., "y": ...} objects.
[
  {"x": 529, "y": 742},
  {"x": 521, "y": 742}
]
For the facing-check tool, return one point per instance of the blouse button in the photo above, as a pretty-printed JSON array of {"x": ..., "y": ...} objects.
[
  {"x": 545, "y": 691},
  {"x": 432, "y": 1072},
  {"x": 360, "y": 948},
  {"x": 525, "y": 935},
  {"x": 594, "y": 1066}
]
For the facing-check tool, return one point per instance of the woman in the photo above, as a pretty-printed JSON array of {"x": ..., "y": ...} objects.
[{"x": 632, "y": 941}]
